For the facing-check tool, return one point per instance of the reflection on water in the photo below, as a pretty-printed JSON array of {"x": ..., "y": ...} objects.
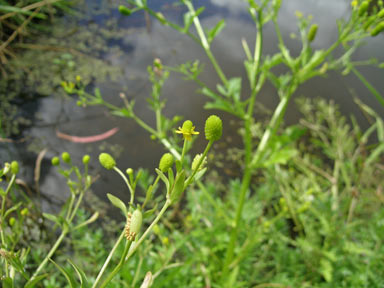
[{"x": 132, "y": 49}]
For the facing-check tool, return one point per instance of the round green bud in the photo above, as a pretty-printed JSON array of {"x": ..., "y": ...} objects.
[
  {"x": 213, "y": 128},
  {"x": 312, "y": 32},
  {"x": 363, "y": 8},
  {"x": 12, "y": 221},
  {"x": 66, "y": 157},
  {"x": 24, "y": 212},
  {"x": 129, "y": 171},
  {"x": 187, "y": 125},
  {"x": 196, "y": 161},
  {"x": 378, "y": 29},
  {"x": 55, "y": 161},
  {"x": 14, "y": 167},
  {"x": 107, "y": 161},
  {"x": 124, "y": 10},
  {"x": 166, "y": 162},
  {"x": 79, "y": 103},
  {"x": 86, "y": 159}
]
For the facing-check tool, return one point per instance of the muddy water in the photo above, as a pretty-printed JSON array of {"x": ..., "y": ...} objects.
[{"x": 133, "y": 48}]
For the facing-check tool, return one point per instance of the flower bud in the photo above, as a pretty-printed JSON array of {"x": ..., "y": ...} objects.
[
  {"x": 166, "y": 162},
  {"x": 134, "y": 221},
  {"x": 107, "y": 161},
  {"x": 14, "y": 167},
  {"x": 213, "y": 128},
  {"x": 12, "y": 221},
  {"x": 363, "y": 8},
  {"x": 86, "y": 159},
  {"x": 379, "y": 28},
  {"x": 55, "y": 161},
  {"x": 129, "y": 171},
  {"x": 312, "y": 32},
  {"x": 24, "y": 212},
  {"x": 124, "y": 10},
  {"x": 196, "y": 161},
  {"x": 66, "y": 157}
]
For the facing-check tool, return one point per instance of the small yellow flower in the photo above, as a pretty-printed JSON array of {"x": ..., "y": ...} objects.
[
  {"x": 354, "y": 3},
  {"x": 187, "y": 130}
]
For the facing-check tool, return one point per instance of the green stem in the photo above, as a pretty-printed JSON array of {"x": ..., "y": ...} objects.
[
  {"x": 119, "y": 266},
  {"x": 248, "y": 150},
  {"x": 190, "y": 178},
  {"x": 369, "y": 86},
  {"x": 2, "y": 220},
  {"x": 184, "y": 150},
  {"x": 49, "y": 255},
  {"x": 205, "y": 44},
  {"x": 126, "y": 182},
  {"x": 98, "y": 278}
]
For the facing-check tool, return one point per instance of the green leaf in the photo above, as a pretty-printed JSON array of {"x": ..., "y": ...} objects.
[
  {"x": 13, "y": 208},
  {"x": 326, "y": 269},
  {"x": 200, "y": 174},
  {"x": 150, "y": 212},
  {"x": 13, "y": 9},
  {"x": 80, "y": 274},
  {"x": 188, "y": 20},
  {"x": 71, "y": 281},
  {"x": 281, "y": 156},
  {"x": 118, "y": 203},
  {"x": 37, "y": 279},
  {"x": 164, "y": 179},
  {"x": 7, "y": 282},
  {"x": 53, "y": 218},
  {"x": 215, "y": 30},
  {"x": 122, "y": 113},
  {"x": 178, "y": 188}
]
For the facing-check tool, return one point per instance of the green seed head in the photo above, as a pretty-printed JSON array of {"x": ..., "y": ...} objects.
[
  {"x": 213, "y": 128},
  {"x": 55, "y": 161},
  {"x": 24, "y": 212},
  {"x": 312, "y": 32},
  {"x": 124, "y": 10},
  {"x": 187, "y": 125},
  {"x": 86, "y": 159},
  {"x": 378, "y": 29},
  {"x": 134, "y": 221},
  {"x": 363, "y": 8},
  {"x": 166, "y": 162},
  {"x": 14, "y": 167},
  {"x": 12, "y": 221},
  {"x": 107, "y": 161},
  {"x": 66, "y": 157}
]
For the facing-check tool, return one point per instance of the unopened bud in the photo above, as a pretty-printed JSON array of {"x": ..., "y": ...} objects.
[
  {"x": 166, "y": 162},
  {"x": 312, "y": 32},
  {"x": 213, "y": 128},
  {"x": 66, "y": 157},
  {"x": 107, "y": 161},
  {"x": 363, "y": 8},
  {"x": 378, "y": 29}
]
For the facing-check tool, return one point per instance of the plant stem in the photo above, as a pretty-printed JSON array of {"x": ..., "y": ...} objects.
[
  {"x": 2, "y": 220},
  {"x": 190, "y": 178},
  {"x": 119, "y": 266},
  {"x": 246, "y": 180},
  {"x": 98, "y": 278},
  {"x": 205, "y": 44},
  {"x": 126, "y": 182},
  {"x": 49, "y": 255}
]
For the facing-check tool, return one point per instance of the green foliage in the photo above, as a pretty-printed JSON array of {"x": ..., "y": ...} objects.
[{"x": 305, "y": 211}]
